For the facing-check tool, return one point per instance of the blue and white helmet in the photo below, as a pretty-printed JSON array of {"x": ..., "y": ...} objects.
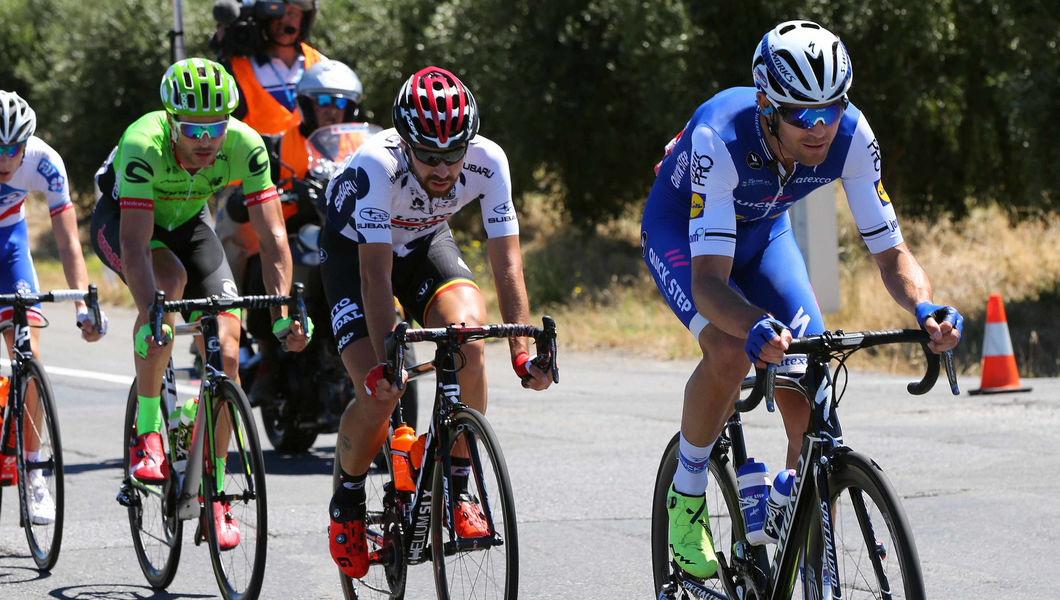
[{"x": 800, "y": 62}]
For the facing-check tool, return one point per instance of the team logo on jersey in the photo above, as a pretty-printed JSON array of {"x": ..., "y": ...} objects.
[
  {"x": 255, "y": 163},
  {"x": 697, "y": 206},
  {"x": 375, "y": 215},
  {"x": 701, "y": 166},
  {"x": 754, "y": 160},
  {"x": 679, "y": 169},
  {"x": 48, "y": 171},
  {"x": 133, "y": 171},
  {"x": 874, "y": 150},
  {"x": 487, "y": 173},
  {"x": 503, "y": 209},
  {"x": 884, "y": 198}
]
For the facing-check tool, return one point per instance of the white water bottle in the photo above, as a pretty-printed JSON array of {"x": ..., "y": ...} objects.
[
  {"x": 777, "y": 505},
  {"x": 753, "y": 480}
]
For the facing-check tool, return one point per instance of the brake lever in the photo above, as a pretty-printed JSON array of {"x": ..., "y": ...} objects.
[{"x": 951, "y": 372}]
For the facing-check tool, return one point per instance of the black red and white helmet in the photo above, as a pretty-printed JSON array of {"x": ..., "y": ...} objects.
[
  {"x": 800, "y": 62},
  {"x": 17, "y": 119},
  {"x": 434, "y": 109}
]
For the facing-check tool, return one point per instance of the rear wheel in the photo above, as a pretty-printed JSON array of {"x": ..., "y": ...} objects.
[
  {"x": 482, "y": 567},
  {"x": 234, "y": 487},
  {"x": 40, "y": 467},
  {"x": 156, "y": 531}
]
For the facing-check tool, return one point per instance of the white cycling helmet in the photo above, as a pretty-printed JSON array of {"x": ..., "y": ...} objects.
[
  {"x": 17, "y": 119},
  {"x": 800, "y": 62}
]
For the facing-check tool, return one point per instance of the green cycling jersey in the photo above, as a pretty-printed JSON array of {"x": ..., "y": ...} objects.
[{"x": 149, "y": 176}]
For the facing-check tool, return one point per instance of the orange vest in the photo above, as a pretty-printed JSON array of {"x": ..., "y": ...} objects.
[
  {"x": 293, "y": 155},
  {"x": 264, "y": 113}
]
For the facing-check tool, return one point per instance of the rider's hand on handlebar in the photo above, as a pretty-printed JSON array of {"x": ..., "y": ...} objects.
[
  {"x": 942, "y": 323},
  {"x": 91, "y": 331},
  {"x": 766, "y": 342},
  {"x": 291, "y": 335},
  {"x": 533, "y": 377},
  {"x": 378, "y": 385},
  {"x": 144, "y": 342}
]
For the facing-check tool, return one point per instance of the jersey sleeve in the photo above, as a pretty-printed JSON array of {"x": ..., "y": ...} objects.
[
  {"x": 869, "y": 203},
  {"x": 54, "y": 182},
  {"x": 713, "y": 177},
  {"x": 250, "y": 165},
  {"x": 495, "y": 199},
  {"x": 359, "y": 197},
  {"x": 139, "y": 161}
]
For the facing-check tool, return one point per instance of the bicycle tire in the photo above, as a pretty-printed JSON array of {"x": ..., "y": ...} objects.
[
  {"x": 475, "y": 571},
  {"x": 723, "y": 507},
  {"x": 239, "y": 570},
  {"x": 44, "y": 539},
  {"x": 862, "y": 496},
  {"x": 157, "y": 533},
  {"x": 385, "y": 580}
]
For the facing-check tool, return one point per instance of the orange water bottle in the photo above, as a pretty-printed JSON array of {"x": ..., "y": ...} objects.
[
  {"x": 8, "y": 460},
  {"x": 400, "y": 444},
  {"x": 416, "y": 454}
]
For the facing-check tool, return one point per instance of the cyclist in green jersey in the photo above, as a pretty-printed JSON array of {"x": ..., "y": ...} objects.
[{"x": 151, "y": 225}]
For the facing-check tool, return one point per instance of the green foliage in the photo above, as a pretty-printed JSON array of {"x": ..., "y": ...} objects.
[{"x": 584, "y": 94}]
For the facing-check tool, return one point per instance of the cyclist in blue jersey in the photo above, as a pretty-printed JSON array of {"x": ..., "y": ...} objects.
[{"x": 717, "y": 239}]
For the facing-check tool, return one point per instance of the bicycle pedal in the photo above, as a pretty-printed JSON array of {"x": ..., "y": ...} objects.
[{"x": 126, "y": 497}]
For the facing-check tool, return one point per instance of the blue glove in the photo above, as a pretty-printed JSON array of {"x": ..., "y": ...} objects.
[
  {"x": 941, "y": 313},
  {"x": 764, "y": 330}
]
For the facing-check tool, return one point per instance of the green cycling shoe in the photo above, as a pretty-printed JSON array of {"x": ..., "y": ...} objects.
[{"x": 691, "y": 545}]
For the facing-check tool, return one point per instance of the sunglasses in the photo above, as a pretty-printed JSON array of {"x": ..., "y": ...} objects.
[
  {"x": 432, "y": 158},
  {"x": 329, "y": 100},
  {"x": 807, "y": 117},
  {"x": 10, "y": 149},
  {"x": 199, "y": 130}
]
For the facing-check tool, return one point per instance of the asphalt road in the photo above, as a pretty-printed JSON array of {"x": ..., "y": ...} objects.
[{"x": 976, "y": 473}]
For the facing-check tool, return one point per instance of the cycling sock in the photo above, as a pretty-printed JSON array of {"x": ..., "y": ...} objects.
[
  {"x": 219, "y": 472},
  {"x": 459, "y": 470},
  {"x": 149, "y": 415},
  {"x": 347, "y": 503},
  {"x": 690, "y": 478}
]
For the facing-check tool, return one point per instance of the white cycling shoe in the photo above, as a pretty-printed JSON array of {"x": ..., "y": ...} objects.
[{"x": 41, "y": 506}]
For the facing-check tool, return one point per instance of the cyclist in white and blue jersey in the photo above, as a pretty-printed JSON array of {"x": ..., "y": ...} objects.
[{"x": 717, "y": 239}]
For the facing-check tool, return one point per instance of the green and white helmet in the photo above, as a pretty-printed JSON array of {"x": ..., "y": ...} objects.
[{"x": 198, "y": 87}]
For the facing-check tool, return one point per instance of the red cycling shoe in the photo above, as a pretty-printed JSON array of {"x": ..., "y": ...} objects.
[
  {"x": 349, "y": 548},
  {"x": 148, "y": 459}
]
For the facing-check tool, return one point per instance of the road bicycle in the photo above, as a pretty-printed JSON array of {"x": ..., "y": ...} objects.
[
  {"x": 30, "y": 429},
  {"x": 844, "y": 532},
  {"x": 216, "y": 466},
  {"x": 411, "y": 527}
]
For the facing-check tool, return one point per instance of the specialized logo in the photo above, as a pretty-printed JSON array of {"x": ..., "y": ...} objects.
[
  {"x": 426, "y": 287},
  {"x": 51, "y": 173},
  {"x": 255, "y": 163},
  {"x": 229, "y": 288},
  {"x": 754, "y": 160},
  {"x": 138, "y": 171},
  {"x": 697, "y": 206},
  {"x": 701, "y": 166},
  {"x": 884, "y": 198}
]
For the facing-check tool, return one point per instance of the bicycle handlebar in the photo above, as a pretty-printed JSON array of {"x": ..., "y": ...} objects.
[
  {"x": 817, "y": 345},
  {"x": 25, "y": 299},
  {"x": 457, "y": 335},
  {"x": 216, "y": 304}
]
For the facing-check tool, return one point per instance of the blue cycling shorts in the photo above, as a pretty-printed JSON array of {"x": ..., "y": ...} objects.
[
  {"x": 16, "y": 267},
  {"x": 768, "y": 270}
]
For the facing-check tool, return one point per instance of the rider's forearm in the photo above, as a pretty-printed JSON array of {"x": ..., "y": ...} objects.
[
  {"x": 507, "y": 265},
  {"x": 64, "y": 226},
  {"x": 139, "y": 275},
  {"x": 904, "y": 278},
  {"x": 378, "y": 297},
  {"x": 276, "y": 268}
]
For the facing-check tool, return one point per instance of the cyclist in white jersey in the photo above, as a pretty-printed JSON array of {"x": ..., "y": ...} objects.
[
  {"x": 717, "y": 239},
  {"x": 29, "y": 164},
  {"x": 387, "y": 235}
]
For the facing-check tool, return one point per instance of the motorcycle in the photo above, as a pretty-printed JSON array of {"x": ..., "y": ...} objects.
[{"x": 303, "y": 394}]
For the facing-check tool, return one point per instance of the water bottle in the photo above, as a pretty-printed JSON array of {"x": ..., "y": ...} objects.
[
  {"x": 416, "y": 454},
  {"x": 753, "y": 479},
  {"x": 8, "y": 460},
  {"x": 184, "y": 433},
  {"x": 777, "y": 504},
  {"x": 400, "y": 444}
]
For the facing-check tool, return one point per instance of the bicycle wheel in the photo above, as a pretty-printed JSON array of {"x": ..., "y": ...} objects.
[
  {"x": 40, "y": 475},
  {"x": 157, "y": 533},
  {"x": 234, "y": 486},
  {"x": 386, "y": 578},
  {"x": 875, "y": 552},
  {"x": 726, "y": 521},
  {"x": 484, "y": 567}
]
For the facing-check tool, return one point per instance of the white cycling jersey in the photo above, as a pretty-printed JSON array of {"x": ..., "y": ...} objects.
[
  {"x": 42, "y": 170},
  {"x": 376, "y": 198}
]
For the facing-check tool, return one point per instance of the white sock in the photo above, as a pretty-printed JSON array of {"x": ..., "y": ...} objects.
[
  {"x": 31, "y": 456},
  {"x": 691, "y": 475}
]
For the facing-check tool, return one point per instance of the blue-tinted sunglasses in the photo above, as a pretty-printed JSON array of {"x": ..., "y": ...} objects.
[
  {"x": 432, "y": 158},
  {"x": 807, "y": 117},
  {"x": 10, "y": 149},
  {"x": 199, "y": 130},
  {"x": 327, "y": 100}
]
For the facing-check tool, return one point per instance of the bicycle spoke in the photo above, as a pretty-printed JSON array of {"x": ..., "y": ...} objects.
[{"x": 39, "y": 458}]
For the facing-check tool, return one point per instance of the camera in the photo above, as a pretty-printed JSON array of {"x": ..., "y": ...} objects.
[{"x": 241, "y": 32}]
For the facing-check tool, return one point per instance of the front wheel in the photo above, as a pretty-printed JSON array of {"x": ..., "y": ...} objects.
[
  {"x": 40, "y": 467},
  {"x": 234, "y": 491},
  {"x": 479, "y": 558},
  {"x": 875, "y": 552}
]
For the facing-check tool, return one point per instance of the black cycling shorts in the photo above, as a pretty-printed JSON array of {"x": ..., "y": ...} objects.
[{"x": 433, "y": 266}]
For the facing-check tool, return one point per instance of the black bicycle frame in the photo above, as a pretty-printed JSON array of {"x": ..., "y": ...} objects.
[{"x": 21, "y": 349}]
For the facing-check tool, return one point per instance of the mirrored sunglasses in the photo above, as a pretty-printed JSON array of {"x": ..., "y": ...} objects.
[
  {"x": 10, "y": 149},
  {"x": 199, "y": 130},
  {"x": 432, "y": 158},
  {"x": 329, "y": 100},
  {"x": 807, "y": 117}
]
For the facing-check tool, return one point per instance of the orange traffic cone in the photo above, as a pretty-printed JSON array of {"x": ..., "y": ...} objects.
[{"x": 999, "y": 364}]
